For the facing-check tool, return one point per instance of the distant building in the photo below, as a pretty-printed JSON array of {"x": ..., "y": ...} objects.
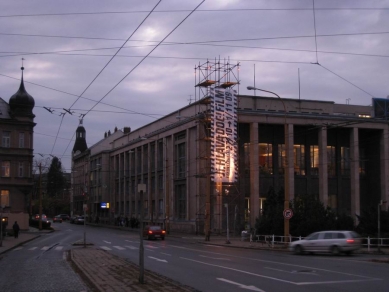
[{"x": 16, "y": 155}]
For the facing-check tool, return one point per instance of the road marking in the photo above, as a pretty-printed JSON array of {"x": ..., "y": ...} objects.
[
  {"x": 286, "y": 281},
  {"x": 131, "y": 247},
  {"x": 107, "y": 241},
  {"x": 45, "y": 248},
  {"x": 166, "y": 254},
  {"x": 32, "y": 248},
  {"x": 293, "y": 272},
  {"x": 18, "y": 248},
  {"x": 105, "y": 248},
  {"x": 59, "y": 248},
  {"x": 150, "y": 246},
  {"x": 224, "y": 259},
  {"x": 119, "y": 247},
  {"x": 159, "y": 260},
  {"x": 252, "y": 288},
  {"x": 218, "y": 246},
  {"x": 64, "y": 255}
]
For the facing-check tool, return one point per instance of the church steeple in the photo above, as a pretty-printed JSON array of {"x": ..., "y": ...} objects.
[
  {"x": 22, "y": 103},
  {"x": 80, "y": 144}
]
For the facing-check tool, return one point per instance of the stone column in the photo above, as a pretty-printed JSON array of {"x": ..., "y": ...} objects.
[
  {"x": 354, "y": 173},
  {"x": 254, "y": 174},
  {"x": 323, "y": 162},
  {"x": 384, "y": 158}
]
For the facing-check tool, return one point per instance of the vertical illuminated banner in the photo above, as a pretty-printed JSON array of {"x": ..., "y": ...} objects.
[{"x": 224, "y": 123}]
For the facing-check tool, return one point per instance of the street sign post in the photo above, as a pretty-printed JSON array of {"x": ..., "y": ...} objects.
[{"x": 288, "y": 213}]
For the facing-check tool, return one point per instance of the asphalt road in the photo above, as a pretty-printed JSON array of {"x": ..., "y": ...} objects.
[{"x": 40, "y": 265}]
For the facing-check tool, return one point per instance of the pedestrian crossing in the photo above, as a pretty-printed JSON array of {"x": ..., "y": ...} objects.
[
  {"x": 60, "y": 248},
  {"x": 42, "y": 248}
]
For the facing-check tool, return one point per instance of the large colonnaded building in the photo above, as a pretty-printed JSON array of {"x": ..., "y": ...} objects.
[{"x": 223, "y": 152}]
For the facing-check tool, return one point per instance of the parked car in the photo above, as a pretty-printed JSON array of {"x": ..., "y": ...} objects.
[
  {"x": 64, "y": 217},
  {"x": 80, "y": 220},
  {"x": 57, "y": 219},
  {"x": 334, "y": 242},
  {"x": 154, "y": 232},
  {"x": 73, "y": 219}
]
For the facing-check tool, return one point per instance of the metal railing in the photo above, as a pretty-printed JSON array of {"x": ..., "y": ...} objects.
[{"x": 273, "y": 240}]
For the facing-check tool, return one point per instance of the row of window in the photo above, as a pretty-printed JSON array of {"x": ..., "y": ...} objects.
[
  {"x": 6, "y": 169},
  {"x": 267, "y": 160},
  {"x": 6, "y": 139}
]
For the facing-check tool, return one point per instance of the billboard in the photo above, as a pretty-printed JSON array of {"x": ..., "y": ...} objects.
[
  {"x": 224, "y": 123},
  {"x": 104, "y": 205}
]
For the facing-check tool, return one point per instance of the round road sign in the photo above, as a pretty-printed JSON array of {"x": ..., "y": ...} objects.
[{"x": 288, "y": 213}]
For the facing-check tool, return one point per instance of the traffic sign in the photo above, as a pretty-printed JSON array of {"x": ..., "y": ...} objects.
[{"x": 288, "y": 213}]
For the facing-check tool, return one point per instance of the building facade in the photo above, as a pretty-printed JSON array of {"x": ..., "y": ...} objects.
[
  {"x": 16, "y": 156},
  {"x": 336, "y": 153}
]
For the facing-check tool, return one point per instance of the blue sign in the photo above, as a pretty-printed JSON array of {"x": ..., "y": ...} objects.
[{"x": 104, "y": 205}]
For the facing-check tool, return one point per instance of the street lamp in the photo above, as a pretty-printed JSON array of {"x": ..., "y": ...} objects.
[
  {"x": 286, "y": 174},
  {"x": 1, "y": 227}
]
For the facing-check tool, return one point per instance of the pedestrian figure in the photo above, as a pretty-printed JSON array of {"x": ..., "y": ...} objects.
[{"x": 16, "y": 229}]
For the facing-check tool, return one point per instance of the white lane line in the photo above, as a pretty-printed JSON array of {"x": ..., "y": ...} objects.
[
  {"x": 159, "y": 260},
  {"x": 131, "y": 247},
  {"x": 45, "y": 248},
  {"x": 281, "y": 280},
  {"x": 218, "y": 246},
  {"x": 252, "y": 288},
  {"x": 33, "y": 248},
  {"x": 105, "y": 248},
  {"x": 108, "y": 242},
  {"x": 224, "y": 259},
  {"x": 313, "y": 272},
  {"x": 18, "y": 248},
  {"x": 166, "y": 254},
  {"x": 150, "y": 246},
  {"x": 118, "y": 247},
  {"x": 59, "y": 248}
]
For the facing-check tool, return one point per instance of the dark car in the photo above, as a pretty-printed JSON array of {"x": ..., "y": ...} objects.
[
  {"x": 154, "y": 232},
  {"x": 64, "y": 217},
  {"x": 72, "y": 219},
  {"x": 57, "y": 219},
  {"x": 34, "y": 221},
  {"x": 79, "y": 220}
]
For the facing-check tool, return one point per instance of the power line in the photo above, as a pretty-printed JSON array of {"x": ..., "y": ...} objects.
[
  {"x": 198, "y": 42},
  {"x": 200, "y": 10},
  {"x": 141, "y": 61}
]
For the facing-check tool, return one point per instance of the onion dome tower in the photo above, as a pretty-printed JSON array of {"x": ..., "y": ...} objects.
[
  {"x": 21, "y": 103},
  {"x": 80, "y": 144}
]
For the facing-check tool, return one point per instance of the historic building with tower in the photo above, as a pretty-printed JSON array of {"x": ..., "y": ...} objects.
[{"x": 16, "y": 156}]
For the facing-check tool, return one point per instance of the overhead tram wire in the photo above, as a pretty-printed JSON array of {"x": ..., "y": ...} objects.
[
  {"x": 105, "y": 66},
  {"x": 199, "y": 42},
  {"x": 141, "y": 62},
  {"x": 200, "y": 10}
]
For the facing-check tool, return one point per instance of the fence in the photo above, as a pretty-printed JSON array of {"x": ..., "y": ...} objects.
[{"x": 273, "y": 240}]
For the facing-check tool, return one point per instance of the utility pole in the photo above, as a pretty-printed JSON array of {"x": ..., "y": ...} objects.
[
  {"x": 40, "y": 196},
  {"x": 141, "y": 189}
]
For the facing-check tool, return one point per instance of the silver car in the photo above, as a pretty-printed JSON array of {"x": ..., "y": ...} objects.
[{"x": 334, "y": 242}]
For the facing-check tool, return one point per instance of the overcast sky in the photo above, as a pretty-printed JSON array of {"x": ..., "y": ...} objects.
[{"x": 339, "y": 50}]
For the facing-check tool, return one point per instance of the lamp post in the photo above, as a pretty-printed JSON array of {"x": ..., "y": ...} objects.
[
  {"x": 1, "y": 227},
  {"x": 141, "y": 190},
  {"x": 286, "y": 173}
]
